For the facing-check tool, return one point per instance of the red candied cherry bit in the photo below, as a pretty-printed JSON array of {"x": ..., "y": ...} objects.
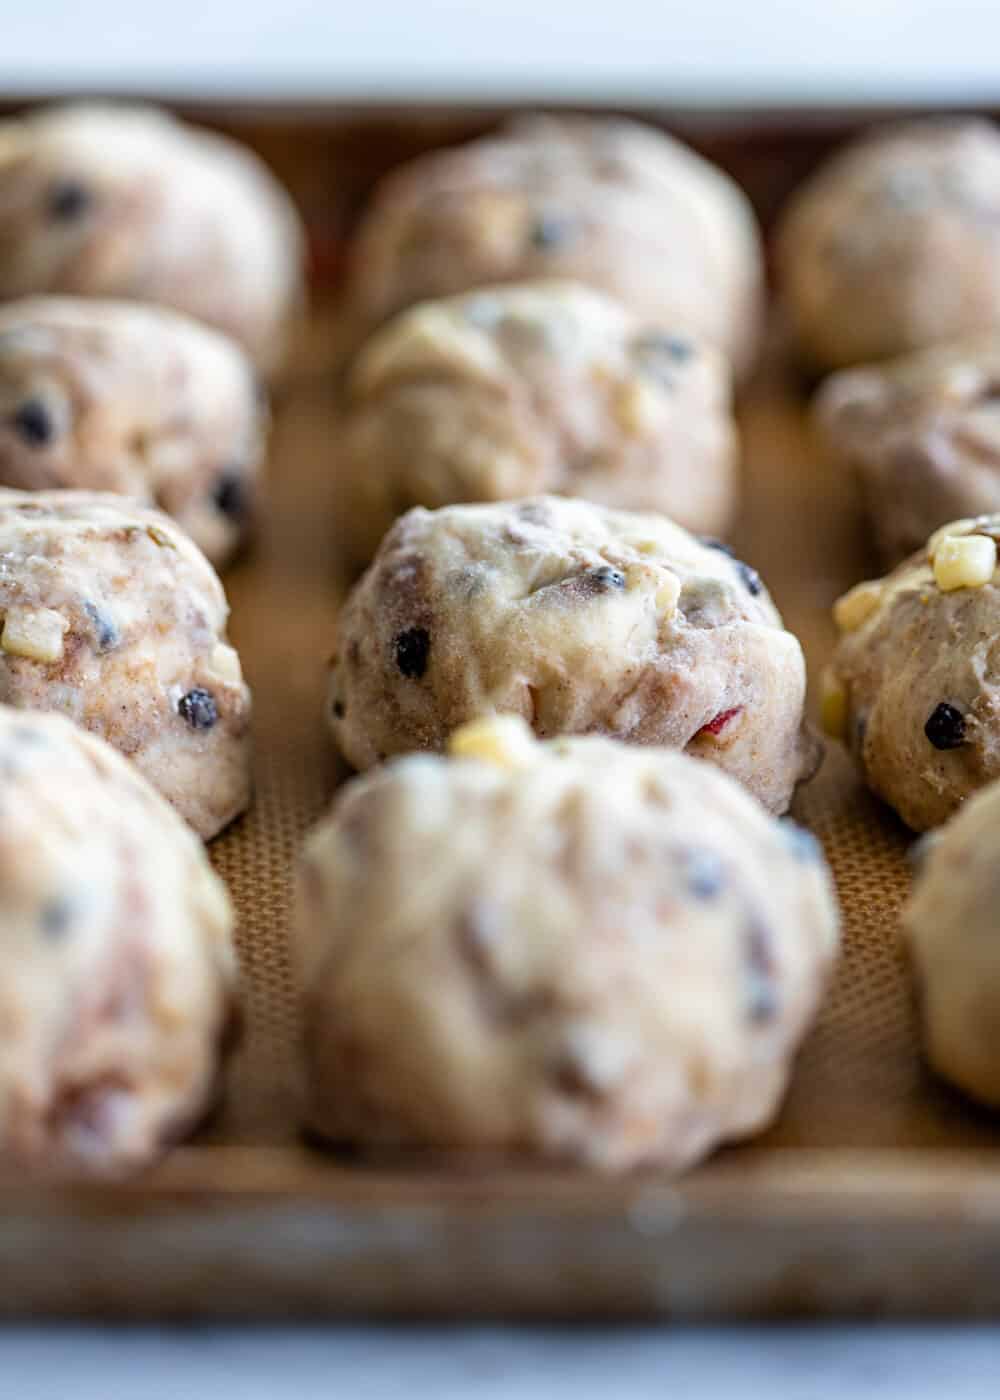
[{"x": 717, "y": 725}]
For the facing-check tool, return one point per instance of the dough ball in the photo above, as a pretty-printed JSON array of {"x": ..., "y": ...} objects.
[
  {"x": 953, "y": 930},
  {"x": 110, "y": 396},
  {"x": 576, "y": 949},
  {"x": 922, "y": 434},
  {"x": 518, "y": 390},
  {"x": 914, "y": 688},
  {"x": 612, "y": 203},
  {"x": 894, "y": 244},
  {"x": 579, "y": 619},
  {"x": 113, "y": 617},
  {"x": 118, "y": 973},
  {"x": 122, "y": 201}
]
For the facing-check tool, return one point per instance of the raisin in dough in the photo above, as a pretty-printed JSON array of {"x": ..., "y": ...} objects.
[
  {"x": 113, "y": 617},
  {"x": 914, "y": 687},
  {"x": 119, "y": 201},
  {"x": 576, "y": 949},
  {"x": 110, "y": 396},
  {"x": 894, "y": 244},
  {"x": 118, "y": 972},
  {"x": 615, "y": 204},
  {"x": 922, "y": 433},
  {"x": 519, "y": 390},
  {"x": 581, "y": 620},
  {"x": 952, "y": 923}
]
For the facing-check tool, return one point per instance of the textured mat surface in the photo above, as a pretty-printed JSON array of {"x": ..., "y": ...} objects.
[{"x": 859, "y": 1081}]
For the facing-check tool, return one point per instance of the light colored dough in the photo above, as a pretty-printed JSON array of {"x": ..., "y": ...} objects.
[
  {"x": 152, "y": 209},
  {"x": 580, "y": 619},
  {"x": 894, "y": 243},
  {"x": 612, "y": 203},
  {"x": 110, "y": 396},
  {"x": 117, "y": 971},
  {"x": 114, "y": 618},
  {"x": 576, "y": 949},
  {"x": 917, "y": 648},
  {"x": 525, "y": 389},
  {"x": 952, "y": 923}
]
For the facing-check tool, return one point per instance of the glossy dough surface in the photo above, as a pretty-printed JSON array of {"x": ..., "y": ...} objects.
[
  {"x": 118, "y": 972},
  {"x": 111, "y": 616},
  {"x": 590, "y": 952}
]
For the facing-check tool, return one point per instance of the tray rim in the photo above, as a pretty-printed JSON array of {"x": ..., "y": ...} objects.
[
  {"x": 786, "y": 1184},
  {"x": 794, "y": 1235}
]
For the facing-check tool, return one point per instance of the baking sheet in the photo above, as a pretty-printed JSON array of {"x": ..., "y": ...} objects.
[{"x": 877, "y": 1190}]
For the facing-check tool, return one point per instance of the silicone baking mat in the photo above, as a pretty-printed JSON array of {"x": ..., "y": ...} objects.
[{"x": 876, "y": 1190}]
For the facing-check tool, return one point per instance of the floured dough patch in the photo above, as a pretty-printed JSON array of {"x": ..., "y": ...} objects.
[
  {"x": 112, "y": 617},
  {"x": 577, "y": 949},
  {"x": 525, "y": 389},
  {"x": 118, "y": 972}
]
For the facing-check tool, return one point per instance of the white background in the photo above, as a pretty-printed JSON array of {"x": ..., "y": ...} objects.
[
  {"x": 706, "y": 51},
  {"x": 701, "y": 50}
]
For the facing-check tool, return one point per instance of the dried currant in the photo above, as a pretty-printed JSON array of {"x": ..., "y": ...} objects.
[
  {"x": 551, "y": 231},
  {"x": 56, "y": 916},
  {"x": 34, "y": 423},
  {"x": 761, "y": 974},
  {"x": 945, "y": 728},
  {"x": 230, "y": 495},
  {"x": 68, "y": 200},
  {"x": 105, "y": 631},
  {"x": 605, "y": 577},
  {"x": 750, "y": 578},
  {"x": 661, "y": 343},
  {"x": 705, "y": 874},
  {"x": 412, "y": 649},
  {"x": 198, "y": 709}
]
